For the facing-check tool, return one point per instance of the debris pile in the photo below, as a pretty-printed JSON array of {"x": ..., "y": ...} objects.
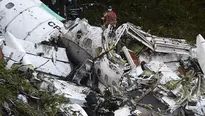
[
  {"x": 161, "y": 74},
  {"x": 121, "y": 72}
]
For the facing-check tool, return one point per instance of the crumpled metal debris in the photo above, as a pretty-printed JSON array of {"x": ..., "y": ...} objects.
[
  {"x": 22, "y": 98},
  {"x": 72, "y": 110},
  {"x": 167, "y": 75},
  {"x": 164, "y": 72}
]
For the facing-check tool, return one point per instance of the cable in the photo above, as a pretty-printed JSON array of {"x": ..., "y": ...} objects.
[{"x": 41, "y": 65}]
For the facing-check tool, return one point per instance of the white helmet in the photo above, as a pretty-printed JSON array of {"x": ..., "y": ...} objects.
[{"x": 109, "y": 8}]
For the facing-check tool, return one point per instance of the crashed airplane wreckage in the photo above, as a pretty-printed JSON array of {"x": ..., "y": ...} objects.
[
  {"x": 131, "y": 71},
  {"x": 26, "y": 27}
]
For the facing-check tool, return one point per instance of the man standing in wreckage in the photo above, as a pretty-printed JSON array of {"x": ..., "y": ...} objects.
[{"x": 109, "y": 18}]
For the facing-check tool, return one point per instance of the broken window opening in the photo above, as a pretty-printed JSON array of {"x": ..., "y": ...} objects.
[
  {"x": 106, "y": 78},
  {"x": 79, "y": 34},
  {"x": 9, "y": 5},
  {"x": 99, "y": 72}
]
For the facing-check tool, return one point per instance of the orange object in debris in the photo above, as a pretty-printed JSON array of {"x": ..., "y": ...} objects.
[
  {"x": 181, "y": 70},
  {"x": 1, "y": 55},
  {"x": 134, "y": 58}
]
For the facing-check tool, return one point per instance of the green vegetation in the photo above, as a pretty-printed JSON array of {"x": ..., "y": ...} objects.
[
  {"x": 168, "y": 18},
  {"x": 173, "y": 84},
  {"x": 11, "y": 81}
]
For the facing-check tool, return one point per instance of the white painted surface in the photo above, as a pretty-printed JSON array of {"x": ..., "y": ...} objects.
[
  {"x": 28, "y": 20},
  {"x": 110, "y": 73},
  {"x": 172, "y": 104},
  {"x": 73, "y": 109},
  {"x": 200, "y": 43},
  {"x": 136, "y": 72},
  {"x": 19, "y": 6},
  {"x": 125, "y": 111},
  {"x": 48, "y": 51},
  {"x": 129, "y": 58},
  {"x": 13, "y": 54},
  {"x": 200, "y": 108},
  {"x": 22, "y": 98},
  {"x": 48, "y": 66},
  {"x": 89, "y": 32},
  {"x": 168, "y": 74},
  {"x": 12, "y": 42},
  {"x": 76, "y": 94},
  {"x": 25, "y": 52}
]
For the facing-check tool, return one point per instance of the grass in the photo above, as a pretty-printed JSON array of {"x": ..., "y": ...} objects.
[{"x": 11, "y": 81}]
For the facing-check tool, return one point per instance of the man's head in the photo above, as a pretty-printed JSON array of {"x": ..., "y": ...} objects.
[{"x": 109, "y": 8}]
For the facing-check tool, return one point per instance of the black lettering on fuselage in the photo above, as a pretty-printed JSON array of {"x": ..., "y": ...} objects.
[{"x": 52, "y": 24}]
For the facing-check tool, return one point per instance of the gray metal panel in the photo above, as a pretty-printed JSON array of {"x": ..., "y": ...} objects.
[{"x": 75, "y": 52}]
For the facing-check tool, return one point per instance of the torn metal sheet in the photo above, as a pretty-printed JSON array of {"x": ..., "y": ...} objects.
[
  {"x": 157, "y": 44},
  {"x": 75, "y": 51},
  {"x": 27, "y": 53},
  {"x": 200, "y": 43},
  {"x": 12, "y": 54},
  {"x": 163, "y": 57},
  {"x": 108, "y": 72},
  {"x": 133, "y": 61},
  {"x": 45, "y": 65},
  {"x": 87, "y": 37},
  {"x": 83, "y": 73},
  {"x": 171, "y": 102},
  {"x": 41, "y": 64},
  {"x": 136, "y": 72},
  {"x": 72, "y": 109},
  {"x": 199, "y": 108},
  {"x": 12, "y": 42},
  {"x": 45, "y": 51},
  {"x": 133, "y": 32},
  {"x": 76, "y": 94},
  {"x": 169, "y": 45},
  {"x": 125, "y": 111},
  {"x": 168, "y": 74}
]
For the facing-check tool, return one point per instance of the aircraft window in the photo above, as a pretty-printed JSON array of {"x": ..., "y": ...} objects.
[
  {"x": 106, "y": 78},
  {"x": 9, "y": 5},
  {"x": 114, "y": 83},
  {"x": 88, "y": 43},
  {"x": 99, "y": 72},
  {"x": 98, "y": 50}
]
